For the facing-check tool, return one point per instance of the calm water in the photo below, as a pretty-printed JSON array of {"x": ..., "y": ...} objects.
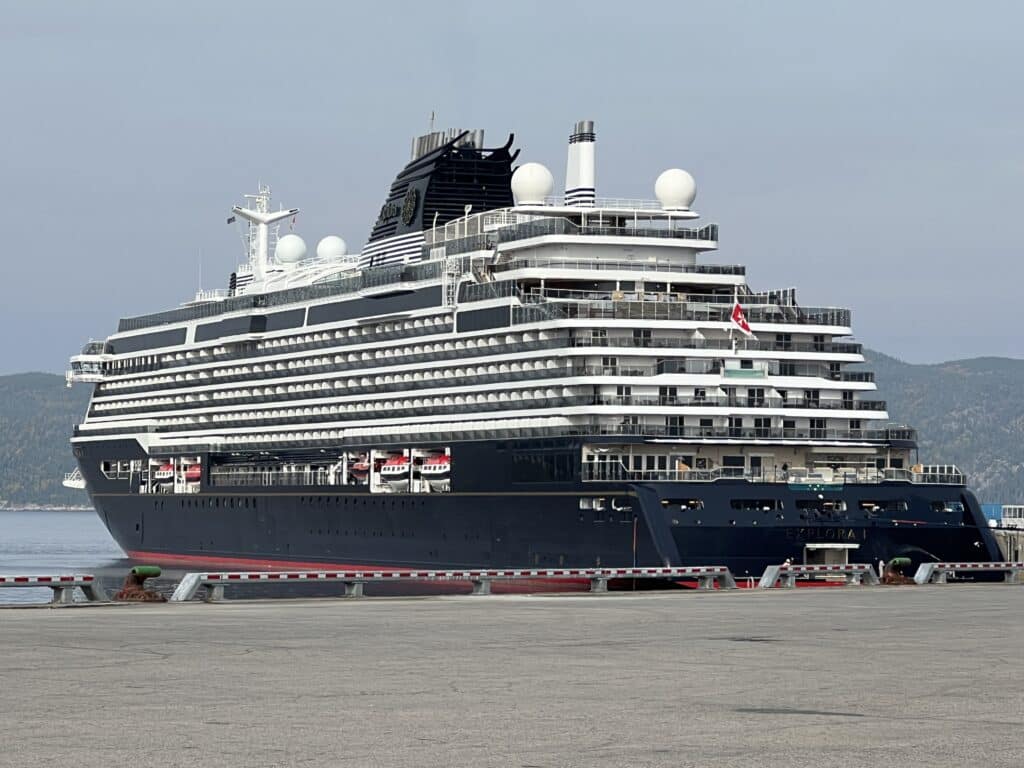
[{"x": 38, "y": 542}]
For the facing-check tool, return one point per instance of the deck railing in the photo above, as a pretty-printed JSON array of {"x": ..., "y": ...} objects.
[
  {"x": 557, "y": 226},
  {"x": 544, "y": 311},
  {"x": 945, "y": 474},
  {"x": 608, "y": 265}
]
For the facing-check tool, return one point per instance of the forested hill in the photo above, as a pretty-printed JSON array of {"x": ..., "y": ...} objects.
[
  {"x": 968, "y": 412},
  {"x": 37, "y": 413}
]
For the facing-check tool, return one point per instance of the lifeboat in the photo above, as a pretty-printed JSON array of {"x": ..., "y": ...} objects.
[
  {"x": 358, "y": 471},
  {"x": 193, "y": 473},
  {"x": 395, "y": 470},
  {"x": 164, "y": 472},
  {"x": 437, "y": 470}
]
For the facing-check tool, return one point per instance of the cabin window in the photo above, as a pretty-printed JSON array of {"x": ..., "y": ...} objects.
[
  {"x": 752, "y": 505},
  {"x": 821, "y": 505},
  {"x": 691, "y": 504},
  {"x": 883, "y": 506}
]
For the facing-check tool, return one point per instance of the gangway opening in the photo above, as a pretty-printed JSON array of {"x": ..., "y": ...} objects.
[{"x": 828, "y": 553}]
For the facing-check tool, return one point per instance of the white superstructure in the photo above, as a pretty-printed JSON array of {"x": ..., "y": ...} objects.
[{"x": 573, "y": 316}]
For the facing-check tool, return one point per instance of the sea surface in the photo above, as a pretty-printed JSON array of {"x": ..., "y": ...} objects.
[{"x": 34, "y": 542}]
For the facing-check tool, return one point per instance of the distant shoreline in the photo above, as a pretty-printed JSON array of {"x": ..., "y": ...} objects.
[{"x": 7, "y": 507}]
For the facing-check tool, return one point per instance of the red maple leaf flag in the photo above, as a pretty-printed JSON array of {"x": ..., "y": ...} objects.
[{"x": 740, "y": 320}]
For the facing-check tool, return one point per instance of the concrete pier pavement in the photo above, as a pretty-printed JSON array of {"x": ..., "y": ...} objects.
[{"x": 811, "y": 677}]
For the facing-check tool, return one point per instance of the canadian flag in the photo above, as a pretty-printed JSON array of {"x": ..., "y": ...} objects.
[{"x": 740, "y": 320}]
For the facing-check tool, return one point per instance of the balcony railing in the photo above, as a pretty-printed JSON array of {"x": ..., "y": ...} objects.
[
  {"x": 666, "y": 310},
  {"x": 755, "y": 433},
  {"x": 944, "y": 474},
  {"x": 556, "y": 226},
  {"x": 855, "y": 376},
  {"x": 744, "y": 402},
  {"x": 603, "y": 265},
  {"x": 742, "y": 345}
]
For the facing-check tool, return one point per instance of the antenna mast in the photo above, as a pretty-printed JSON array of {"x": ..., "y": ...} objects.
[{"x": 260, "y": 218}]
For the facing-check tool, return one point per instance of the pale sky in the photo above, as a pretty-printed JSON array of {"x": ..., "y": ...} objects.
[{"x": 869, "y": 153}]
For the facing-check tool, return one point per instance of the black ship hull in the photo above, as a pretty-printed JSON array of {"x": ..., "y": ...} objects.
[{"x": 492, "y": 519}]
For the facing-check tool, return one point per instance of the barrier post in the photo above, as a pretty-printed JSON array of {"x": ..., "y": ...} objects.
[
  {"x": 214, "y": 593},
  {"x": 353, "y": 588},
  {"x": 94, "y": 592},
  {"x": 62, "y": 595}
]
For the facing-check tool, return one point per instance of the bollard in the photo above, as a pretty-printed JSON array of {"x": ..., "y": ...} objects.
[{"x": 134, "y": 588}]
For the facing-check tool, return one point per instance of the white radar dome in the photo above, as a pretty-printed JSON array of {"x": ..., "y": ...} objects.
[
  {"x": 290, "y": 250},
  {"x": 331, "y": 247},
  {"x": 675, "y": 190},
  {"x": 531, "y": 183}
]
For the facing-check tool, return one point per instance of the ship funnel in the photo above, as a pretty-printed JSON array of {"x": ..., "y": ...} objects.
[
  {"x": 428, "y": 142},
  {"x": 580, "y": 171}
]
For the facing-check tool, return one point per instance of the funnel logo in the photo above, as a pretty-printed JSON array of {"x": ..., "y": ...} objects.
[{"x": 412, "y": 199}]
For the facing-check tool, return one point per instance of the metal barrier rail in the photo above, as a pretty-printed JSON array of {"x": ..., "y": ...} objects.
[
  {"x": 214, "y": 583},
  {"x": 63, "y": 586},
  {"x": 785, "y": 575},
  {"x": 938, "y": 573}
]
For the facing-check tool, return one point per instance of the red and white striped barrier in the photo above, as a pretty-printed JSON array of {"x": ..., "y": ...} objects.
[
  {"x": 214, "y": 583},
  {"x": 938, "y": 573},
  {"x": 63, "y": 586},
  {"x": 785, "y": 575}
]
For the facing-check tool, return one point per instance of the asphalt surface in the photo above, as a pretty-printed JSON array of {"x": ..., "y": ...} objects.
[{"x": 859, "y": 676}]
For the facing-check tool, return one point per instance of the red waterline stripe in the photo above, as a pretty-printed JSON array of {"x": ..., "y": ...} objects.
[
  {"x": 281, "y": 565},
  {"x": 264, "y": 564}
]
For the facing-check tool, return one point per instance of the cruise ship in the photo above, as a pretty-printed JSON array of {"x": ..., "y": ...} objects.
[{"x": 503, "y": 377}]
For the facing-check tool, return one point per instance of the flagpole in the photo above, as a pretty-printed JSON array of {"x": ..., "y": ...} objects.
[{"x": 732, "y": 331}]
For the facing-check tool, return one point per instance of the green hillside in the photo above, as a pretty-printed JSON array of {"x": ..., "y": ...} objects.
[
  {"x": 37, "y": 413},
  {"x": 968, "y": 412}
]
